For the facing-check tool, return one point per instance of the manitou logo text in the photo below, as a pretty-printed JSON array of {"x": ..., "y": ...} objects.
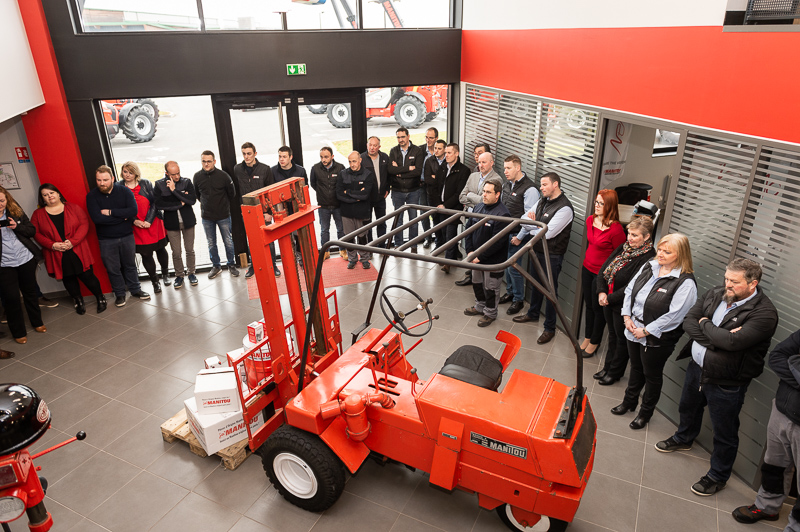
[
  {"x": 499, "y": 446},
  {"x": 214, "y": 402}
]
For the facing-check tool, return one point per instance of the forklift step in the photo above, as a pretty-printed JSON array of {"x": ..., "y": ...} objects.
[{"x": 177, "y": 428}]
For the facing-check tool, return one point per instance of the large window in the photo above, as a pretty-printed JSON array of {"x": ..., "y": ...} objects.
[{"x": 138, "y": 15}]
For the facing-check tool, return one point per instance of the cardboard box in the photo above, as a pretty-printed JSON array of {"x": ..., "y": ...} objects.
[
  {"x": 255, "y": 332},
  {"x": 213, "y": 362},
  {"x": 215, "y": 391},
  {"x": 217, "y": 431}
]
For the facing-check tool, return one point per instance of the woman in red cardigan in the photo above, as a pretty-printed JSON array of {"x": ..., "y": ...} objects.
[
  {"x": 61, "y": 230},
  {"x": 604, "y": 234}
]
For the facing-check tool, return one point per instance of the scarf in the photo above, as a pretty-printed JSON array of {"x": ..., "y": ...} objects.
[{"x": 624, "y": 258}]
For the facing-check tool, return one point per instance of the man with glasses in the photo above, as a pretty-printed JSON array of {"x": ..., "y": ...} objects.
[
  {"x": 405, "y": 167},
  {"x": 431, "y": 136},
  {"x": 214, "y": 188},
  {"x": 175, "y": 196}
]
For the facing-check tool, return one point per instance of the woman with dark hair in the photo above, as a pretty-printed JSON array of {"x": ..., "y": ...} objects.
[
  {"x": 604, "y": 234},
  {"x": 148, "y": 228},
  {"x": 61, "y": 230},
  {"x": 656, "y": 302},
  {"x": 18, "y": 259},
  {"x": 615, "y": 274}
]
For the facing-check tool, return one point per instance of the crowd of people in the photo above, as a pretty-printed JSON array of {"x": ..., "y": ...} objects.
[{"x": 645, "y": 292}]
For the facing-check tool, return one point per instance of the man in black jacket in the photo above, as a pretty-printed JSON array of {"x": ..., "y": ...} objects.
[
  {"x": 451, "y": 176},
  {"x": 175, "y": 196},
  {"x": 377, "y": 161},
  {"x": 214, "y": 188},
  {"x": 783, "y": 439},
  {"x": 431, "y": 189},
  {"x": 486, "y": 284},
  {"x": 405, "y": 167},
  {"x": 251, "y": 175},
  {"x": 731, "y": 327},
  {"x": 323, "y": 180},
  {"x": 357, "y": 190}
]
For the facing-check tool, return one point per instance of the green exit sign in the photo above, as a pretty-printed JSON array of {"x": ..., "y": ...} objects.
[{"x": 296, "y": 69}]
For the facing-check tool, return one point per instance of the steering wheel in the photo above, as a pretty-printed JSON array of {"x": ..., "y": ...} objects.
[{"x": 397, "y": 319}]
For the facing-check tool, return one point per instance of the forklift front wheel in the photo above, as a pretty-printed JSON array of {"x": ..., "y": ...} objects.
[
  {"x": 303, "y": 469},
  {"x": 545, "y": 524}
]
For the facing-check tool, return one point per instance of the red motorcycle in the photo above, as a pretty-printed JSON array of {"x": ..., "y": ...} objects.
[{"x": 24, "y": 418}]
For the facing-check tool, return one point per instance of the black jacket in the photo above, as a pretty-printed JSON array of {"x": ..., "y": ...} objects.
[
  {"x": 323, "y": 181},
  {"x": 171, "y": 202},
  {"x": 404, "y": 179},
  {"x": 382, "y": 176},
  {"x": 215, "y": 191},
  {"x": 431, "y": 185},
  {"x": 261, "y": 177},
  {"x": 279, "y": 174},
  {"x": 357, "y": 193},
  {"x": 785, "y": 362},
  {"x": 623, "y": 276},
  {"x": 452, "y": 185},
  {"x": 24, "y": 233},
  {"x": 731, "y": 358},
  {"x": 123, "y": 208},
  {"x": 497, "y": 252}
]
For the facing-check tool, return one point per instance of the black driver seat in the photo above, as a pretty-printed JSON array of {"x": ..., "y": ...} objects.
[{"x": 474, "y": 365}]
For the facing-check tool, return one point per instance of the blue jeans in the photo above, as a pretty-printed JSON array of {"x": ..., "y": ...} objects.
[
  {"x": 724, "y": 404},
  {"x": 515, "y": 283},
  {"x": 325, "y": 215},
  {"x": 403, "y": 198},
  {"x": 537, "y": 297},
  {"x": 210, "y": 227},
  {"x": 119, "y": 258}
]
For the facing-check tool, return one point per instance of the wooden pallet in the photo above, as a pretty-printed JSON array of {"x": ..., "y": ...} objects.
[{"x": 177, "y": 427}]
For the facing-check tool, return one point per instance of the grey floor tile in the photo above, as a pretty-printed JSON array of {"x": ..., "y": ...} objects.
[
  {"x": 564, "y": 370},
  {"x": 97, "y": 333},
  {"x": 57, "y": 464},
  {"x": 86, "y": 366},
  {"x": 245, "y": 524},
  {"x": 63, "y": 517},
  {"x": 163, "y": 320},
  {"x": 390, "y": 485},
  {"x": 614, "y": 512},
  {"x": 70, "y": 323},
  {"x": 19, "y": 372},
  {"x": 225, "y": 313},
  {"x": 405, "y": 523},
  {"x": 54, "y": 355},
  {"x": 278, "y": 514},
  {"x": 131, "y": 315},
  {"x": 452, "y": 319},
  {"x": 127, "y": 343},
  {"x": 660, "y": 510},
  {"x": 601, "y": 407},
  {"x": 142, "y": 444},
  {"x": 236, "y": 490},
  {"x": 74, "y": 406},
  {"x": 108, "y": 423},
  {"x": 186, "y": 366},
  {"x": 184, "y": 468},
  {"x": 453, "y": 512},
  {"x": 171, "y": 407},
  {"x": 139, "y": 504},
  {"x": 88, "y": 486},
  {"x": 158, "y": 354},
  {"x": 118, "y": 378},
  {"x": 225, "y": 340},
  {"x": 197, "y": 513},
  {"x": 339, "y": 517},
  {"x": 153, "y": 392},
  {"x": 50, "y": 387},
  {"x": 619, "y": 457},
  {"x": 87, "y": 525},
  {"x": 195, "y": 304},
  {"x": 674, "y": 474}
]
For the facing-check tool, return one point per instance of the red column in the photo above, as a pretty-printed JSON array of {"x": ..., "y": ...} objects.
[{"x": 51, "y": 137}]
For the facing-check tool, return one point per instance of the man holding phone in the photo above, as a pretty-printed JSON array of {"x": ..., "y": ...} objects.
[{"x": 175, "y": 196}]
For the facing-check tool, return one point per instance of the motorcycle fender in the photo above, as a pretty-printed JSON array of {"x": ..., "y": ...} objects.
[
  {"x": 445, "y": 456},
  {"x": 351, "y": 452}
]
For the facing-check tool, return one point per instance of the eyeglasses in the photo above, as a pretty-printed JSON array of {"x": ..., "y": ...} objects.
[
  {"x": 599, "y": 203},
  {"x": 207, "y": 162}
]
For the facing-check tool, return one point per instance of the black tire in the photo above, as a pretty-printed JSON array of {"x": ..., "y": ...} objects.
[
  {"x": 139, "y": 126},
  {"x": 409, "y": 112},
  {"x": 339, "y": 115},
  {"x": 303, "y": 469},
  {"x": 431, "y": 116},
  {"x": 150, "y": 106},
  {"x": 317, "y": 109},
  {"x": 546, "y": 524}
]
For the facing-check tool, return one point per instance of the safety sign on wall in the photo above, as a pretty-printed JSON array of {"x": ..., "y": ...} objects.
[{"x": 22, "y": 154}]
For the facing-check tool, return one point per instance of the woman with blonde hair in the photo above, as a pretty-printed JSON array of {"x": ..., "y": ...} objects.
[
  {"x": 656, "y": 302},
  {"x": 148, "y": 229},
  {"x": 18, "y": 259}
]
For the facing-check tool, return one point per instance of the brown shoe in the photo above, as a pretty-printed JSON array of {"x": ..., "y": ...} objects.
[
  {"x": 327, "y": 255},
  {"x": 23, "y": 340},
  {"x": 485, "y": 321},
  {"x": 343, "y": 253},
  {"x": 471, "y": 311},
  {"x": 6, "y": 354},
  {"x": 445, "y": 268},
  {"x": 41, "y": 329},
  {"x": 546, "y": 337}
]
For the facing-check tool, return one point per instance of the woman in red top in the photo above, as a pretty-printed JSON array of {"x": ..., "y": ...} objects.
[
  {"x": 61, "y": 230},
  {"x": 604, "y": 234},
  {"x": 148, "y": 228}
]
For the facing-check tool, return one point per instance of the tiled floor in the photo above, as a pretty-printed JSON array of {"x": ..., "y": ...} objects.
[{"x": 119, "y": 375}]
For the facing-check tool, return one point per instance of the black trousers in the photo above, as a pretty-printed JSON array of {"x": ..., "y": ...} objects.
[
  {"x": 617, "y": 353},
  {"x": 150, "y": 264},
  {"x": 647, "y": 371},
  {"x": 595, "y": 319},
  {"x": 88, "y": 278},
  {"x": 22, "y": 279}
]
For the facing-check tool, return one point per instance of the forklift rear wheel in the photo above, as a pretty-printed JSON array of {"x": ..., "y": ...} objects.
[
  {"x": 545, "y": 524},
  {"x": 339, "y": 115},
  {"x": 409, "y": 112},
  {"x": 303, "y": 469}
]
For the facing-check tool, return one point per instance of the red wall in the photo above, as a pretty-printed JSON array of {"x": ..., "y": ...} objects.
[
  {"x": 740, "y": 82},
  {"x": 51, "y": 137}
]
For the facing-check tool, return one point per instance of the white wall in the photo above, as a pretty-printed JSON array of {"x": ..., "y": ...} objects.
[
  {"x": 19, "y": 82},
  {"x": 541, "y": 14},
  {"x": 737, "y": 5},
  {"x": 12, "y": 134}
]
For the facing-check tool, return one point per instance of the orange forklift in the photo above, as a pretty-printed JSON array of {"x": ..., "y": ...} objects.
[{"x": 526, "y": 451}]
